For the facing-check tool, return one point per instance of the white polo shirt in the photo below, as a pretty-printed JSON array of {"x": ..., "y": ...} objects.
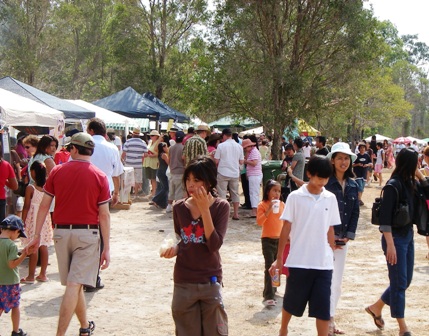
[
  {"x": 229, "y": 153},
  {"x": 311, "y": 219},
  {"x": 106, "y": 158}
]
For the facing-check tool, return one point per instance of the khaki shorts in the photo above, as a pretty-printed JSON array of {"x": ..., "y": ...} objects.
[
  {"x": 175, "y": 190},
  {"x": 138, "y": 175},
  {"x": 223, "y": 183},
  {"x": 78, "y": 255}
]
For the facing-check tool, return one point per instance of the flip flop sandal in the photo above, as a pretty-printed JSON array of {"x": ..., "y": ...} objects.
[
  {"x": 42, "y": 279},
  {"x": 87, "y": 331},
  {"x": 25, "y": 281},
  {"x": 378, "y": 320}
]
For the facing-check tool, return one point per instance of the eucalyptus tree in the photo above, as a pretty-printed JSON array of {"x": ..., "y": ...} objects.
[{"x": 277, "y": 60}]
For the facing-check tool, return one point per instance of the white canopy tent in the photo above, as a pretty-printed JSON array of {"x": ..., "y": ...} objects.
[
  {"x": 18, "y": 111},
  {"x": 419, "y": 141},
  {"x": 379, "y": 137},
  {"x": 256, "y": 131},
  {"x": 108, "y": 116}
]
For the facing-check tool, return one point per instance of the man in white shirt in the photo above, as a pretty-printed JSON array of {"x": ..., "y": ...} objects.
[
  {"x": 106, "y": 158},
  {"x": 228, "y": 157}
]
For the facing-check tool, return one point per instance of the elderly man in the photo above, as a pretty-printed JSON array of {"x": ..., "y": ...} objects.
[
  {"x": 82, "y": 197},
  {"x": 228, "y": 157},
  {"x": 196, "y": 145}
]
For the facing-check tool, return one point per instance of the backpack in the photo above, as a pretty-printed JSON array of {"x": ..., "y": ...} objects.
[{"x": 401, "y": 215}]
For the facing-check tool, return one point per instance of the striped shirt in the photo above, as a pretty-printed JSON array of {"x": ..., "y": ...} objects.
[
  {"x": 254, "y": 170},
  {"x": 194, "y": 146},
  {"x": 134, "y": 148}
]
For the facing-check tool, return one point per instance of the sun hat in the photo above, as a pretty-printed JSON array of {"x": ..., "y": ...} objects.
[
  {"x": 202, "y": 127},
  {"x": 13, "y": 222},
  {"x": 341, "y": 147},
  {"x": 136, "y": 131},
  {"x": 247, "y": 143},
  {"x": 154, "y": 132},
  {"x": 82, "y": 139}
]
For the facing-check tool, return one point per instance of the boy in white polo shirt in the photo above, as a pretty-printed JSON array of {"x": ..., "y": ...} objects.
[{"x": 310, "y": 214}]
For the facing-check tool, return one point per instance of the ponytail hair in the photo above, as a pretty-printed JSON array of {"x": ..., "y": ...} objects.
[{"x": 39, "y": 173}]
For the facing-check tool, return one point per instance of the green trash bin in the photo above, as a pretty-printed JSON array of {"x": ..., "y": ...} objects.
[{"x": 270, "y": 169}]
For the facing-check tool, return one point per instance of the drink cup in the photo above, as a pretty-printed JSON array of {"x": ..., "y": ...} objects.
[{"x": 276, "y": 206}]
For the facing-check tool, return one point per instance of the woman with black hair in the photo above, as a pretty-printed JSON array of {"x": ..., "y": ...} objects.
[
  {"x": 46, "y": 148},
  {"x": 397, "y": 241}
]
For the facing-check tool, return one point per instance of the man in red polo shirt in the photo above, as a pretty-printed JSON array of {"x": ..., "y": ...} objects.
[{"x": 82, "y": 198}]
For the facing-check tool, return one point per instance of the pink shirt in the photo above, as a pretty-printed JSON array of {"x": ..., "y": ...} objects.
[{"x": 254, "y": 154}]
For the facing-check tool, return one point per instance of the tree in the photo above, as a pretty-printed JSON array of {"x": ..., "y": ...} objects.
[{"x": 276, "y": 60}]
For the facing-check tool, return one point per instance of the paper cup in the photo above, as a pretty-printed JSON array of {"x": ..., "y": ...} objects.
[{"x": 276, "y": 206}]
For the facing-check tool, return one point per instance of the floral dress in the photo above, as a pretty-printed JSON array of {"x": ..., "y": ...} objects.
[{"x": 30, "y": 222}]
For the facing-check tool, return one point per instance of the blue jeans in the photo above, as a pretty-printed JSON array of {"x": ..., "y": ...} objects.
[
  {"x": 401, "y": 274},
  {"x": 161, "y": 195}
]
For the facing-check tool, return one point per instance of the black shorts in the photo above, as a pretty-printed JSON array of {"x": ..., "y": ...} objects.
[{"x": 308, "y": 285}]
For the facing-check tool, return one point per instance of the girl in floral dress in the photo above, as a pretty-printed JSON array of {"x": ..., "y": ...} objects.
[{"x": 33, "y": 197}]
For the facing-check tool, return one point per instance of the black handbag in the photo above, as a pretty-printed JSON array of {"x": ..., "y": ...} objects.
[
  {"x": 21, "y": 189},
  {"x": 401, "y": 213}
]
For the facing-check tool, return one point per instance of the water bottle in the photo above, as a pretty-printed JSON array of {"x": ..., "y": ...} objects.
[{"x": 213, "y": 280}]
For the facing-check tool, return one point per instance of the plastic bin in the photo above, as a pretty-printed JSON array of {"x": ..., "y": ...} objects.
[{"x": 270, "y": 169}]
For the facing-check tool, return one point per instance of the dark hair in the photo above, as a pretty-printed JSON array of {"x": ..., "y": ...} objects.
[
  {"x": 254, "y": 139},
  {"x": 379, "y": 144},
  {"x": 268, "y": 186},
  {"x": 166, "y": 139},
  {"x": 235, "y": 137},
  {"x": 298, "y": 142},
  {"x": 264, "y": 142},
  {"x": 321, "y": 139},
  {"x": 349, "y": 172},
  {"x": 406, "y": 165},
  {"x": 40, "y": 173},
  {"x": 191, "y": 130},
  {"x": 213, "y": 139},
  {"x": 203, "y": 168},
  {"x": 161, "y": 145},
  {"x": 82, "y": 150},
  {"x": 320, "y": 166},
  {"x": 97, "y": 126},
  {"x": 44, "y": 143}
]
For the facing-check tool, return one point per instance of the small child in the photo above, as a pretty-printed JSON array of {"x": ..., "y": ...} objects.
[
  {"x": 310, "y": 214},
  {"x": 271, "y": 229},
  {"x": 33, "y": 197},
  {"x": 12, "y": 228},
  {"x": 201, "y": 221}
]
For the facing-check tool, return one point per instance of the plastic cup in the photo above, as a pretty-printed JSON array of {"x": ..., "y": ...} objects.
[{"x": 276, "y": 206}]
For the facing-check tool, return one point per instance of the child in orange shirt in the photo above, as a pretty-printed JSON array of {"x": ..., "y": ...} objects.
[{"x": 271, "y": 227}]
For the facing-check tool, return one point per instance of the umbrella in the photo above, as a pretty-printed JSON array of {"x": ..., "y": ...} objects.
[
  {"x": 412, "y": 139},
  {"x": 379, "y": 137},
  {"x": 402, "y": 139}
]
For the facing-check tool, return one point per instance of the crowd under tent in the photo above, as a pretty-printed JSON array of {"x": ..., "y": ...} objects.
[{"x": 70, "y": 110}]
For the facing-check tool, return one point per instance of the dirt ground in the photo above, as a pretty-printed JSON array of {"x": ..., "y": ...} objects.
[{"x": 138, "y": 292}]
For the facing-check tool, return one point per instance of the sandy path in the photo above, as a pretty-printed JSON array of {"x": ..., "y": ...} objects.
[{"x": 137, "y": 297}]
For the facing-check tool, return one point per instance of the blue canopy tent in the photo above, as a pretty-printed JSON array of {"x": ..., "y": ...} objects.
[
  {"x": 131, "y": 104},
  {"x": 70, "y": 110},
  {"x": 171, "y": 113}
]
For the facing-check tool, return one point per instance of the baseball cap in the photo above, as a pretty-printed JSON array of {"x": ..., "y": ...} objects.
[
  {"x": 82, "y": 139},
  {"x": 180, "y": 135},
  {"x": 13, "y": 222}
]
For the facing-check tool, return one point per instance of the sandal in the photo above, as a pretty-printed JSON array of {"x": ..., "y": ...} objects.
[
  {"x": 378, "y": 320},
  {"x": 87, "y": 331},
  {"x": 26, "y": 281}
]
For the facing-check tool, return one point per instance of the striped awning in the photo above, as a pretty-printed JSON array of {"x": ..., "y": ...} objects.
[{"x": 142, "y": 123}]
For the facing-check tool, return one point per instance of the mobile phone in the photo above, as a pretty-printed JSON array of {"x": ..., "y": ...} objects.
[{"x": 340, "y": 242}]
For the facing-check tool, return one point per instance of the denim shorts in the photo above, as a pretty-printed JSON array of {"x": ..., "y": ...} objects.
[{"x": 361, "y": 184}]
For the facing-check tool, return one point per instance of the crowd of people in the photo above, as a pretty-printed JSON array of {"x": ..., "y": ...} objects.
[{"x": 315, "y": 202}]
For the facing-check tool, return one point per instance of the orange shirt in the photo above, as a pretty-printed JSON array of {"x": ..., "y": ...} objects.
[{"x": 271, "y": 225}]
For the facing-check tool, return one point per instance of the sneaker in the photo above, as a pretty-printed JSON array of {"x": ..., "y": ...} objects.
[
  {"x": 169, "y": 208},
  {"x": 19, "y": 333},
  {"x": 270, "y": 303}
]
